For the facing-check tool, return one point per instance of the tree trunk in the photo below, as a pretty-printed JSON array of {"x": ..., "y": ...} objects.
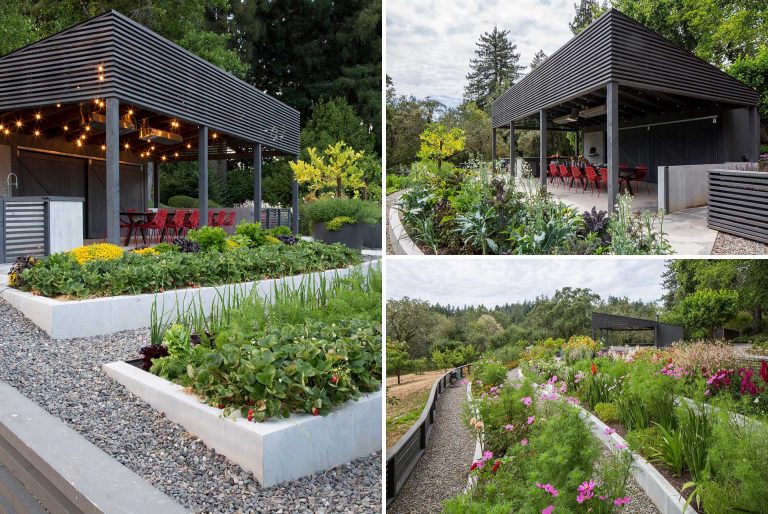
[
  {"x": 338, "y": 187},
  {"x": 757, "y": 318},
  {"x": 398, "y": 379}
]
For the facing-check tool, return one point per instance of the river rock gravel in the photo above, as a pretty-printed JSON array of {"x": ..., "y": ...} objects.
[{"x": 65, "y": 378}]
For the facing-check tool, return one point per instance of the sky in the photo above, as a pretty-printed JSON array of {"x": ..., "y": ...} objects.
[
  {"x": 495, "y": 281},
  {"x": 430, "y": 42}
]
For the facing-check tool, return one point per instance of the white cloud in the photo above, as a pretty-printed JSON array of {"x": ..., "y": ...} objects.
[
  {"x": 430, "y": 42},
  {"x": 493, "y": 281}
]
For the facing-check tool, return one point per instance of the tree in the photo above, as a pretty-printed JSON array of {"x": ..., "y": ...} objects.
[
  {"x": 495, "y": 63},
  {"x": 398, "y": 359},
  {"x": 753, "y": 71},
  {"x": 567, "y": 313},
  {"x": 339, "y": 171},
  {"x": 705, "y": 310},
  {"x": 485, "y": 328},
  {"x": 412, "y": 321},
  {"x": 332, "y": 121},
  {"x": 474, "y": 122},
  {"x": 538, "y": 58},
  {"x": 439, "y": 142},
  {"x": 587, "y": 11}
]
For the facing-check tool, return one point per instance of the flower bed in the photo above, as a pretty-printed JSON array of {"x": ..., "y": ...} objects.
[
  {"x": 212, "y": 259},
  {"x": 712, "y": 457},
  {"x": 474, "y": 211}
]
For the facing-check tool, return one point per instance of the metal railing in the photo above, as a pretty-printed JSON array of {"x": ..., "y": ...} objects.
[
  {"x": 23, "y": 227},
  {"x": 738, "y": 201},
  {"x": 403, "y": 456}
]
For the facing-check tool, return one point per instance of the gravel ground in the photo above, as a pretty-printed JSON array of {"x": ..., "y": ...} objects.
[
  {"x": 726, "y": 244},
  {"x": 65, "y": 378},
  {"x": 442, "y": 471},
  {"x": 639, "y": 501},
  {"x": 390, "y": 203}
]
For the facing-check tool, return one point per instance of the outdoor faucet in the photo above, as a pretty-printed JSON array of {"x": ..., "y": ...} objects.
[{"x": 11, "y": 181}]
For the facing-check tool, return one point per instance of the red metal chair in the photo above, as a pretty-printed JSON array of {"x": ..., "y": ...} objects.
[
  {"x": 564, "y": 173},
  {"x": 604, "y": 177},
  {"x": 640, "y": 173},
  {"x": 192, "y": 221},
  {"x": 576, "y": 174},
  {"x": 125, "y": 224},
  {"x": 553, "y": 173},
  {"x": 220, "y": 219},
  {"x": 156, "y": 226},
  {"x": 592, "y": 179},
  {"x": 174, "y": 227},
  {"x": 229, "y": 219}
]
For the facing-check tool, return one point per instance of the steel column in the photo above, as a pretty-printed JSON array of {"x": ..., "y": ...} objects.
[
  {"x": 754, "y": 134},
  {"x": 543, "y": 149},
  {"x": 202, "y": 174},
  {"x": 493, "y": 149},
  {"x": 612, "y": 136},
  {"x": 156, "y": 184},
  {"x": 512, "y": 142},
  {"x": 257, "y": 183},
  {"x": 113, "y": 170},
  {"x": 295, "y": 202}
]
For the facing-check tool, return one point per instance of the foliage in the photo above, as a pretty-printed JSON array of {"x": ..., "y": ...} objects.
[
  {"x": 607, "y": 412},
  {"x": 209, "y": 238},
  {"x": 460, "y": 355},
  {"x": 253, "y": 232},
  {"x": 61, "y": 275},
  {"x": 186, "y": 245},
  {"x": 636, "y": 233},
  {"x": 187, "y": 202},
  {"x": 338, "y": 223},
  {"x": 398, "y": 359},
  {"x": 705, "y": 310},
  {"x": 16, "y": 273},
  {"x": 495, "y": 65},
  {"x": 580, "y": 347},
  {"x": 439, "y": 142},
  {"x": 587, "y": 11},
  {"x": 326, "y": 209},
  {"x": 490, "y": 372},
  {"x": 145, "y": 251},
  {"x": 397, "y": 183},
  {"x": 332, "y": 121},
  {"x": 96, "y": 252},
  {"x": 336, "y": 168},
  {"x": 752, "y": 70},
  {"x": 407, "y": 117}
]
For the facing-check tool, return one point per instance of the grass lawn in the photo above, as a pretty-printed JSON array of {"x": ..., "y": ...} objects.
[{"x": 411, "y": 395}]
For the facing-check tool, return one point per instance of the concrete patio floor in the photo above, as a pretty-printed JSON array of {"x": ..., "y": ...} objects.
[{"x": 686, "y": 230}]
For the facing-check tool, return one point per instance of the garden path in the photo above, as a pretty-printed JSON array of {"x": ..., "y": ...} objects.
[{"x": 442, "y": 471}]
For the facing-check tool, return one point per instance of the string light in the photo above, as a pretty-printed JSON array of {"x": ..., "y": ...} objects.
[
  {"x": 2, "y": 126},
  {"x": 152, "y": 148},
  {"x": 101, "y": 68},
  {"x": 58, "y": 106},
  {"x": 19, "y": 123},
  {"x": 38, "y": 116},
  {"x": 175, "y": 154},
  {"x": 37, "y": 133},
  {"x": 103, "y": 147},
  {"x": 6, "y": 131},
  {"x": 175, "y": 124},
  {"x": 79, "y": 143},
  {"x": 215, "y": 135},
  {"x": 127, "y": 146},
  {"x": 189, "y": 145},
  {"x": 87, "y": 128},
  {"x": 163, "y": 157},
  {"x": 130, "y": 112},
  {"x": 66, "y": 127}
]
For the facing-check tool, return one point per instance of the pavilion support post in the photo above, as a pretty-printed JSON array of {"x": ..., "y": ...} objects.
[
  {"x": 543, "y": 149},
  {"x": 113, "y": 170},
  {"x": 295, "y": 202},
  {"x": 493, "y": 149},
  {"x": 754, "y": 134},
  {"x": 578, "y": 149},
  {"x": 257, "y": 183},
  {"x": 612, "y": 137},
  {"x": 202, "y": 174},
  {"x": 512, "y": 142},
  {"x": 155, "y": 184}
]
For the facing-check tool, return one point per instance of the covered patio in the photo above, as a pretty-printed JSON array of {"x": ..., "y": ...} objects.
[
  {"x": 636, "y": 104},
  {"x": 93, "y": 113},
  {"x": 664, "y": 334}
]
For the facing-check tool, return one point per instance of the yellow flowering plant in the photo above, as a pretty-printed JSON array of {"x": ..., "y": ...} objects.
[
  {"x": 338, "y": 168},
  {"x": 145, "y": 251},
  {"x": 98, "y": 251}
]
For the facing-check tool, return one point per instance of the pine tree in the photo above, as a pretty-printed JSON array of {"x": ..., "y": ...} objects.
[
  {"x": 538, "y": 58},
  {"x": 587, "y": 11},
  {"x": 496, "y": 62}
]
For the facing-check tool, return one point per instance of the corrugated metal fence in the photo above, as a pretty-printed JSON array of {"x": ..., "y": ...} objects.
[
  {"x": 738, "y": 203},
  {"x": 23, "y": 227}
]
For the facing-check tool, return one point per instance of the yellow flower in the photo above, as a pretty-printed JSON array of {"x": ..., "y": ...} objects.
[
  {"x": 232, "y": 244},
  {"x": 145, "y": 251},
  {"x": 99, "y": 251}
]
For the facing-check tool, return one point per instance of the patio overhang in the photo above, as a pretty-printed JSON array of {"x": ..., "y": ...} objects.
[
  {"x": 109, "y": 89},
  {"x": 664, "y": 334},
  {"x": 618, "y": 75}
]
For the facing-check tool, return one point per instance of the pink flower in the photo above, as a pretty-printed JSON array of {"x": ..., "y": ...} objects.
[
  {"x": 548, "y": 509},
  {"x": 621, "y": 501},
  {"x": 563, "y": 387},
  {"x": 609, "y": 431},
  {"x": 509, "y": 428},
  {"x": 552, "y": 379},
  {"x": 573, "y": 400},
  {"x": 487, "y": 455},
  {"x": 526, "y": 401},
  {"x": 524, "y": 442},
  {"x": 531, "y": 419},
  {"x": 621, "y": 446},
  {"x": 585, "y": 491},
  {"x": 549, "y": 488},
  {"x": 601, "y": 497}
]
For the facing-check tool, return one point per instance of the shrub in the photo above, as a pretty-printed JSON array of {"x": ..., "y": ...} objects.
[
  {"x": 209, "y": 238},
  {"x": 491, "y": 373},
  {"x": 253, "y": 232},
  {"x": 186, "y": 245},
  {"x": 165, "y": 248},
  {"x": 704, "y": 356},
  {"x": 337, "y": 223},
  {"x": 145, "y": 251},
  {"x": 509, "y": 355},
  {"x": 326, "y": 209},
  {"x": 580, "y": 347},
  {"x": 15, "y": 275},
  {"x": 96, "y": 252},
  {"x": 280, "y": 231},
  {"x": 188, "y": 202},
  {"x": 607, "y": 412}
]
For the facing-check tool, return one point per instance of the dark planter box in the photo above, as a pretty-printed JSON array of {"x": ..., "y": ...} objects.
[
  {"x": 372, "y": 235},
  {"x": 350, "y": 235}
]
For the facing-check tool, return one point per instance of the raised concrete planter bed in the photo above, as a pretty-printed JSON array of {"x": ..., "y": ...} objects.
[
  {"x": 99, "y": 316},
  {"x": 63, "y": 471},
  {"x": 275, "y": 450},
  {"x": 401, "y": 241}
]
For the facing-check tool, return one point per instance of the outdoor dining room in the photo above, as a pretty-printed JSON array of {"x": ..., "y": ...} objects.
[{"x": 92, "y": 114}]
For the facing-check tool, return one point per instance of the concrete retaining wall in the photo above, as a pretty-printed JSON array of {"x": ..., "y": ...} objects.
[
  {"x": 275, "y": 450},
  {"x": 684, "y": 187},
  {"x": 99, "y": 316},
  {"x": 401, "y": 242}
]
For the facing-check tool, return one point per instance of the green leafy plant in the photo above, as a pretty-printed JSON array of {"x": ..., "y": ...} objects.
[
  {"x": 209, "y": 238},
  {"x": 607, "y": 412},
  {"x": 632, "y": 411},
  {"x": 336, "y": 224},
  {"x": 669, "y": 450},
  {"x": 254, "y": 233}
]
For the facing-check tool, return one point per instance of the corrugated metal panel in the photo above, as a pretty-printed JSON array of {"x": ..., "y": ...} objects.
[
  {"x": 143, "y": 68},
  {"x": 615, "y": 47},
  {"x": 738, "y": 201}
]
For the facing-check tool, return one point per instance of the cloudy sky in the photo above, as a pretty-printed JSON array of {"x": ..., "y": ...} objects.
[
  {"x": 493, "y": 281},
  {"x": 430, "y": 42}
]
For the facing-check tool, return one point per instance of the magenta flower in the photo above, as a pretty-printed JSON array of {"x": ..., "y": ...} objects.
[
  {"x": 487, "y": 455},
  {"x": 524, "y": 442},
  {"x": 621, "y": 501},
  {"x": 548, "y": 509},
  {"x": 531, "y": 419},
  {"x": 609, "y": 431},
  {"x": 585, "y": 491},
  {"x": 526, "y": 401},
  {"x": 509, "y": 428},
  {"x": 563, "y": 387},
  {"x": 621, "y": 446},
  {"x": 549, "y": 488},
  {"x": 552, "y": 379}
]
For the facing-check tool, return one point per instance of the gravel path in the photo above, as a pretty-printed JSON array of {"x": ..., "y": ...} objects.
[
  {"x": 65, "y": 378},
  {"x": 442, "y": 471},
  {"x": 726, "y": 244},
  {"x": 639, "y": 501},
  {"x": 391, "y": 199}
]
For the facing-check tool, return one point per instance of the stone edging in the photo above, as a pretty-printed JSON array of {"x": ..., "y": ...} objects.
[
  {"x": 107, "y": 315},
  {"x": 402, "y": 244},
  {"x": 275, "y": 450},
  {"x": 64, "y": 471}
]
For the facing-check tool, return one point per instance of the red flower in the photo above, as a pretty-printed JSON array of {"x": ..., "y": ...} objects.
[
  {"x": 593, "y": 368},
  {"x": 473, "y": 466},
  {"x": 764, "y": 371},
  {"x": 496, "y": 466}
]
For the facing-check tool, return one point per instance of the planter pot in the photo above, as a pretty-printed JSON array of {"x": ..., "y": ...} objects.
[
  {"x": 371, "y": 235},
  {"x": 349, "y": 235}
]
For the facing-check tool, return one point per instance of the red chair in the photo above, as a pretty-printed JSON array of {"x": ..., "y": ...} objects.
[
  {"x": 211, "y": 216},
  {"x": 604, "y": 177},
  {"x": 552, "y": 173},
  {"x": 229, "y": 219},
  {"x": 640, "y": 173},
  {"x": 220, "y": 219},
  {"x": 156, "y": 226},
  {"x": 593, "y": 179},
  {"x": 174, "y": 227},
  {"x": 576, "y": 174},
  {"x": 564, "y": 173},
  {"x": 193, "y": 221},
  {"x": 125, "y": 223}
]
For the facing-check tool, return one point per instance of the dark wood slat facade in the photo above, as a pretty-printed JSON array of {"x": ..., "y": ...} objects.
[{"x": 738, "y": 203}]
